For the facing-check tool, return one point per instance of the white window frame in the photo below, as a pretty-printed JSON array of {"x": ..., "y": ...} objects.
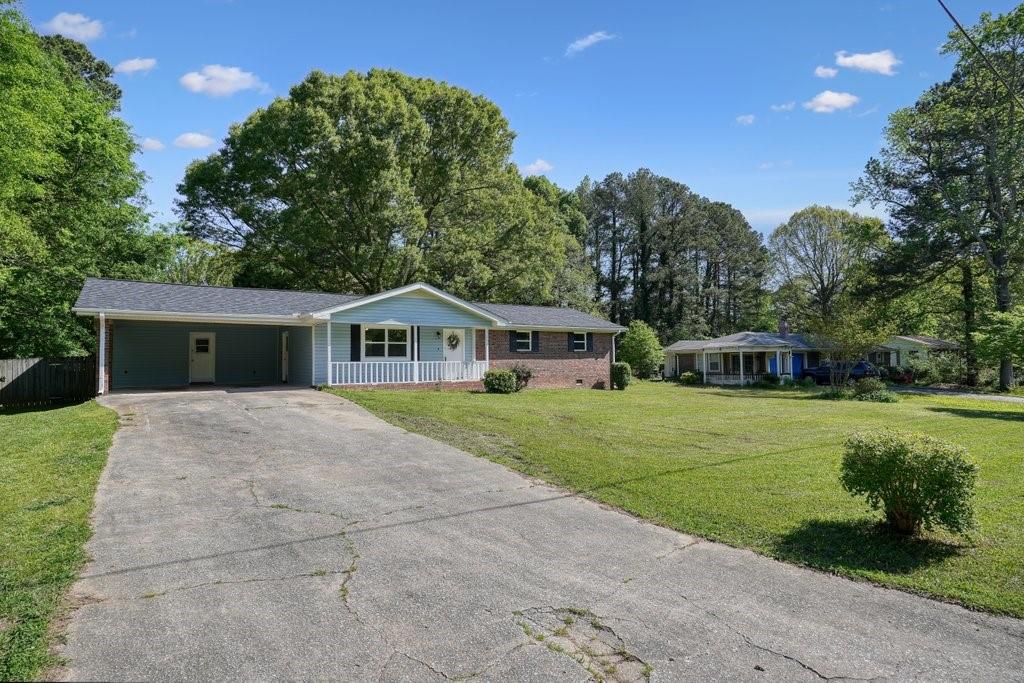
[
  {"x": 529, "y": 341},
  {"x": 577, "y": 339},
  {"x": 386, "y": 357},
  {"x": 714, "y": 362}
]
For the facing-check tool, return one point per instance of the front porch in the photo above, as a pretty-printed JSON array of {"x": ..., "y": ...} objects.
[
  {"x": 406, "y": 372},
  {"x": 742, "y": 366}
]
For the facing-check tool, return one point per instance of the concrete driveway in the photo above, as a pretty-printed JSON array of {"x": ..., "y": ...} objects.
[{"x": 288, "y": 534}]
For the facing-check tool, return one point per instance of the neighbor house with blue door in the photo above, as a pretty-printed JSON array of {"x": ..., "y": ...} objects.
[
  {"x": 152, "y": 335},
  {"x": 743, "y": 357}
]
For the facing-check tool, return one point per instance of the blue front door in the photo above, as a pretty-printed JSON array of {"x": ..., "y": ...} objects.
[
  {"x": 772, "y": 367},
  {"x": 798, "y": 364}
]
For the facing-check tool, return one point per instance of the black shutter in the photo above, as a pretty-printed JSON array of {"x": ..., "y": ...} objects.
[
  {"x": 512, "y": 340},
  {"x": 590, "y": 341},
  {"x": 357, "y": 343},
  {"x": 535, "y": 341},
  {"x": 572, "y": 342}
]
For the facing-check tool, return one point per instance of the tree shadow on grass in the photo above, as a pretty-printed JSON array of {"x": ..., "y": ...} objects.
[
  {"x": 860, "y": 545},
  {"x": 1013, "y": 416}
]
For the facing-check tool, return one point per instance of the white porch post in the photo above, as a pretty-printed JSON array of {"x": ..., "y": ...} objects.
[
  {"x": 741, "y": 367},
  {"x": 415, "y": 353},
  {"x": 704, "y": 365},
  {"x": 487, "y": 348},
  {"x": 103, "y": 355},
  {"x": 778, "y": 362},
  {"x": 330, "y": 371}
]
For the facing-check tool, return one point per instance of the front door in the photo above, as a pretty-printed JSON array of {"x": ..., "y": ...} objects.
[
  {"x": 454, "y": 340},
  {"x": 284, "y": 357},
  {"x": 202, "y": 355},
  {"x": 798, "y": 365}
]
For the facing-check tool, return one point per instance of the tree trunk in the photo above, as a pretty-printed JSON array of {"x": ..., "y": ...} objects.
[
  {"x": 967, "y": 292},
  {"x": 1004, "y": 302}
]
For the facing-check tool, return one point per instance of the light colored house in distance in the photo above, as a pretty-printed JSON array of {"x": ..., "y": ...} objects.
[
  {"x": 167, "y": 335},
  {"x": 746, "y": 357},
  {"x": 743, "y": 357},
  {"x": 901, "y": 350}
]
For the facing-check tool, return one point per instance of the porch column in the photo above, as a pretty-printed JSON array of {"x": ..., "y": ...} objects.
[
  {"x": 741, "y": 367},
  {"x": 330, "y": 370},
  {"x": 487, "y": 347},
  {"x": 704, "y": 365},
  {"x": 415, "y": 353},
  {"x": 778, "y": 362},
  {"x": 102, "y": 360}
]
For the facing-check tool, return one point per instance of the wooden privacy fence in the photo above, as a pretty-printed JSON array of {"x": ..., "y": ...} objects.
[{"x": 37, "y": 381}]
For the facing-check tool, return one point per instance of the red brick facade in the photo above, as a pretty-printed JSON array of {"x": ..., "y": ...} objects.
[{"x": 553, "y": 364}]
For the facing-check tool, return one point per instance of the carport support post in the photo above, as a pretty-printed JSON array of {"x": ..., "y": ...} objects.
[
  {"x": 102, "y": 360},
  {"x": 330, "y": 373},
  {"x": 778, "y": 362},
  {"x": 415, "y": 353},
  {"x": 741, "y": 367}
]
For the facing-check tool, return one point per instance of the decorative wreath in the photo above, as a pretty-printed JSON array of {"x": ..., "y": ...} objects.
[{"x": 453, "y": 341}]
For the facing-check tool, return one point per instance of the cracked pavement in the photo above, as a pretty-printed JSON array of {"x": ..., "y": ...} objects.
[{"x": 289, "y": 534}]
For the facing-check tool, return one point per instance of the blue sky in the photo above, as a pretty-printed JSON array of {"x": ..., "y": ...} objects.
[{"x": 718, "y": 95}]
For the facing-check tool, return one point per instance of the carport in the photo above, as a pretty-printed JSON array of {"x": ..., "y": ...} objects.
[{"x": 176, "y": 354}]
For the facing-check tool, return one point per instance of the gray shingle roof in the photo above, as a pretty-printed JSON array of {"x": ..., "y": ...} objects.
[
  {"x": 130, "y": 295},
  {"x": 547, "y": 316},
  {"x": 155, "y": 297},
  {"x": 744, "y": 340},
  {"x": 931, "y": 342}
]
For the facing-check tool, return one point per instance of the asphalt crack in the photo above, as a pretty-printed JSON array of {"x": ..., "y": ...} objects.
[{"x": 583, "y": 637}]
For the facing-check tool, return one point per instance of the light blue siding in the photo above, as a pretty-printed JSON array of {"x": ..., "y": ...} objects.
[
  {"x": 341, "y": 342},
  {"x": 156, "y": 354},
  {"x": 415, "y": 308},
  {"x": 320, "y": 353}
]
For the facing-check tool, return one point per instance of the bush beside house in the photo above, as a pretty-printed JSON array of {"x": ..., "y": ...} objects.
[
  {"x": 622, "y": 374},
  {"x": 500, "y": 382},
  {"x": 642, "y": 350}
]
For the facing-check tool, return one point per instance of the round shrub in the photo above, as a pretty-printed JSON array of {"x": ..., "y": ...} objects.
[
  {"x": 621, "y": 375},
  {"x": 500, "y": 382},
  {"x": 883, "y": 396},
  {"x": 918, "y": 481},
  {"x": 690, "y": 378},
  {"x": 522, "y": 374},
  {"x": 868, "y": 385},
  {"x": 808, "y": 382}
]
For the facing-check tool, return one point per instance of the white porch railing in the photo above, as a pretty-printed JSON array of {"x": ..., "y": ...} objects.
[{"x": 405, "y": 372}]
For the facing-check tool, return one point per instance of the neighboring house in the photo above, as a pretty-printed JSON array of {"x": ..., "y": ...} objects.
[
  {"x": 167, "y": 335},
  {"x": 743, "y": 357},
  {"x": 900, "y": 350}
]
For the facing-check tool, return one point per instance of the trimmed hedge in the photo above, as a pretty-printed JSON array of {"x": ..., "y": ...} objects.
[
  {"x": 500, "y": 382},
  {"x": 622, "y": 374}
]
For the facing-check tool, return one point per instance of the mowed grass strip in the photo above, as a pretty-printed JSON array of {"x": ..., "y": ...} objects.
[
  {"x": 50, "y": 462},
  {"x": 752, "y": 468}
]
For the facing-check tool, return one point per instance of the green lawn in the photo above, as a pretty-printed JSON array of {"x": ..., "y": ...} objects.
[
  {"x": 752, "y": 468},
  {"x": 50, "y": 461}
]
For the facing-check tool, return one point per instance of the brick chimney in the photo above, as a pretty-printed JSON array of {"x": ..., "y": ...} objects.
[{"x": 783, "y": 327}]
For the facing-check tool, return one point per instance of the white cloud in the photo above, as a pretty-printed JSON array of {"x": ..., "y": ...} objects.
[
  {"x": 768, "y": 165},
  {"x": 828, "y": 101},
  {"x": 135, "y": 65},
  {"x": 193, "y": 141},
  {"x": 745, "y": 119},
  {"x": 825, "y": 72},
  {"x": 74, "y": 25},
  {"x": 151, "y": 145},
  {"x": 881, "y": 62},
  {"x": 785, "y": 106},
  {"x": 220, "y": 81},
  {"x": 583, "y": 43},
  {"x": 538, "y": 167}
]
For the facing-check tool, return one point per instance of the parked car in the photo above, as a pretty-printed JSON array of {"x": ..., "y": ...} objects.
[{"x": 823, "y": 373}]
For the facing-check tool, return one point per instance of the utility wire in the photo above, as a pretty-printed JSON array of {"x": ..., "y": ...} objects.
[{"x": 988, "y": 62}]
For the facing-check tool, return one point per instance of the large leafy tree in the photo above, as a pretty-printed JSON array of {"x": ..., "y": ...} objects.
[
  {"x": 952, "y": 171},
  {"x": 363, "y": 182},
  {"x": 69, "y": 190}
]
